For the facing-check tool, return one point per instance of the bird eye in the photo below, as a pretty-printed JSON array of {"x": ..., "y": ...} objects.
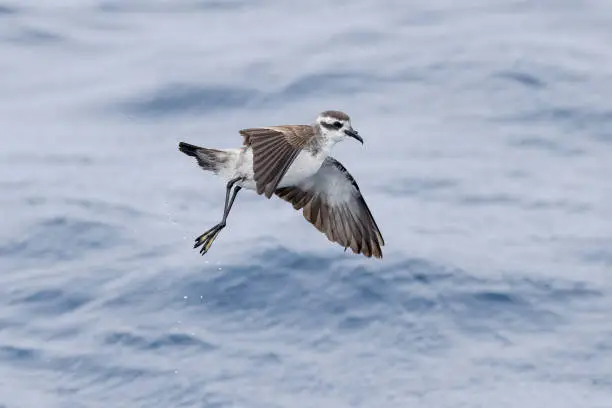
[{"x": 337, "y": 125}]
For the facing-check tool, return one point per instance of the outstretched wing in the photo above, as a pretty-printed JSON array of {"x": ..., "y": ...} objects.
[
  {"x": 332, "y": 202},
  {"x": 274, "y": 149}
]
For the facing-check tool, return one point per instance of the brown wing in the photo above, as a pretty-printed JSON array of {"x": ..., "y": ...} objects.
[
  {"x": 274, "y": 149},
  {"x": 332, "y": 202}
]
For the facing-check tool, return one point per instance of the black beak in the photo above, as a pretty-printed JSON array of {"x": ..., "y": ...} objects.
[{"x": 353, "y": 133}]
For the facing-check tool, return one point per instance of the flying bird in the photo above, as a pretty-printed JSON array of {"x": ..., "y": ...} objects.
[{"x": 293, "y": 162}]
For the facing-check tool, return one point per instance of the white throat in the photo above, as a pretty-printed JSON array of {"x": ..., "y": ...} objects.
[
  {"x": 328, "y": 139},
  {"x": 327, "y": 144}
]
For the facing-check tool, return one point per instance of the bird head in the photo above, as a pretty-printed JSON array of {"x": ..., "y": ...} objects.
[{"x": 336, "y": 126}]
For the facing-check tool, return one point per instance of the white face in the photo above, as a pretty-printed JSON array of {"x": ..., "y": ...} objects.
[
  {"x": 333, "y": 128},
  {"x": 337, "y": 129}
]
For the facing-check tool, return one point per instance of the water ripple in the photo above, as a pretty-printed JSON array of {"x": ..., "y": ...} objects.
[
  {"x": 172, "y": 340},
  {"x": 18, "y": 354},
  {"x": 62, "y": 238},
  {"x": 189, "y": 98},
  {"x": 336, "y": 83},
  {"x": 51, "y": 301},
  {"x": 36, "y": 37},
  {"x": 6, "y": 10},
  {"x": 320, "y": 292},
  {"x": 127, "y": 6},
  {"x": 522, "y": 78}
]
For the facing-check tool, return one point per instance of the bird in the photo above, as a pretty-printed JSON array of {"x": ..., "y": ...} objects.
[{"x": 293, "y": 162}]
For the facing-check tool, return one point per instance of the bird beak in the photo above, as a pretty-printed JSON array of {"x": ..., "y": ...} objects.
[{"x": 354, "y": 134}]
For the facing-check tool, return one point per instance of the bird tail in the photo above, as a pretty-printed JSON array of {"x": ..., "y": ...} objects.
[{"x": 208, "y": 159}]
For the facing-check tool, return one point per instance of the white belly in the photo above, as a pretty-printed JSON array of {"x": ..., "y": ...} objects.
[
  {"x": 304, "y": 165},
  {"x": 244, "y": 168}
]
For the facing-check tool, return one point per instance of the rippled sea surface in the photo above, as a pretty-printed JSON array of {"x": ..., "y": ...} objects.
[{"x": 487, "y": 165}]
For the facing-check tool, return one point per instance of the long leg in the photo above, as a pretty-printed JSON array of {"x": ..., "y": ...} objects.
[
  {"x": 228, "y": 188},
  {"x": 207, "y": 238},
  {"x": 228, "y": 208}
]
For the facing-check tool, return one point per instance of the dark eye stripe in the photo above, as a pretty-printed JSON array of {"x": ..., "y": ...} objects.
[{"x": 327, "y": 125}]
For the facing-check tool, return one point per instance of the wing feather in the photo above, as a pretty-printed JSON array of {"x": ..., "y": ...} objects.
[
  {"x": 332, "y": 202},
  {"x": 274, "y": 149}
]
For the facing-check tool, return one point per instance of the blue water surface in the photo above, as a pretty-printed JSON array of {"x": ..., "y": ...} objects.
[{"x": 486, "y": 163}]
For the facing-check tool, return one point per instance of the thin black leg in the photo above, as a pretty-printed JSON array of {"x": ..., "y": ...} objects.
[
  {"x": 207, "y": 238},
  {"x": 231, "y": 203},
  {"x": 230, "y": 184}
]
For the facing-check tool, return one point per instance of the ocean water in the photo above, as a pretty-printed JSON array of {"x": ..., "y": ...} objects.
[{"x": 487, "y": 165}]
